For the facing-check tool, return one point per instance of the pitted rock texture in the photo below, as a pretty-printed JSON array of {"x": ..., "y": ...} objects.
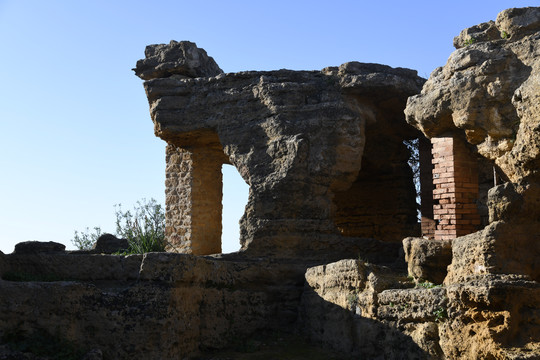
[
  {"x": 297, "y": 138},
  {"x": 151, "y": 306},
  {"x": 427, "y": 259},
  {"x": 108, "y": 244},
  {"x": 366, "y": 311}
]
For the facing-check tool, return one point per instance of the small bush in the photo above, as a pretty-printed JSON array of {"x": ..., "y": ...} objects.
[
  {"x": 470, "y": 41},
  {"x": 86, "y": 240},
  {"x": 144, "y": 229},
  {"x": 440, "y": 314}
]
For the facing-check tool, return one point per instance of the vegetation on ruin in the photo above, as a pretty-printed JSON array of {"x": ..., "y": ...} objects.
[
  {"x": 143, "y": 227},
  {"x": 86, "y": 240},
  {"x": 428, "y": 285},
  {"x": 440, "y": 314},
  {"x": 470, "y": 41}
]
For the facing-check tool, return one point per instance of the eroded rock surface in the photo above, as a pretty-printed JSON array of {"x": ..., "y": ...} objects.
[
  {"x": 427, "y": 259},
  {"x": 156, "y": 306},
  {"x": 310, "y": 145},
  {"x": 488, "y": 93},
  {"x": 297, "y": 138},
  {"x": 369, "y": 311}
]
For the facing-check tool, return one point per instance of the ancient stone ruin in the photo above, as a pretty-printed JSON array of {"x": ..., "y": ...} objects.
[
  {"x": 332, "y": 247},
  {"x": 298, "y": 139}
]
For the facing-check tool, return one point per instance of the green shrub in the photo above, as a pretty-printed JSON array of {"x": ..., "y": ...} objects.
[
  {"x": 428, "y": 285},
  {"x": 440, "y": 314},
  {"x": 86, "y": 240},
  {"x": 470, "y": 41},
  {"x": 143, "y": 227}
]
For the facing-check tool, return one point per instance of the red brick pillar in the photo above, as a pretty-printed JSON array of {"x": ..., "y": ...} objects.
[{"x": 455, "y": 177}]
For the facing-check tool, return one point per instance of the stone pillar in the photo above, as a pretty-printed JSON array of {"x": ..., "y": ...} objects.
[
  {"x": 428, "y": 224},
  {"x": 193, "y": 189},
  {"x": 455, "y": 177}
]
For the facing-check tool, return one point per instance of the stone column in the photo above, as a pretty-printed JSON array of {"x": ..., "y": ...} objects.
[
  {"x": 194, "y": 191},
  {"x": 455, "y": 176}
]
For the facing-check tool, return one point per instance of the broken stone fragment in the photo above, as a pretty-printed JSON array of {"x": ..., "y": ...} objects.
[
  {"x": 176, "y": 58},
  {"x": 427, "y": 260},
  {"x": 478, "y": 33},
  {"x": 35, "y": 247},
  {"x": 108, "y": 244},
  {"x": 519, "y": 22}
]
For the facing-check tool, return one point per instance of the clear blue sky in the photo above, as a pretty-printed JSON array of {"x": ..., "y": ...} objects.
[{"x": 75, "y": 132}]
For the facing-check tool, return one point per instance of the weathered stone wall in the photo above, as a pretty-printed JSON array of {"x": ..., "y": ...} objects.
[
  {"x": 297, "y": 139},
  {"x": 370, "y": 311},
  {"x": 156, "y": 306}
]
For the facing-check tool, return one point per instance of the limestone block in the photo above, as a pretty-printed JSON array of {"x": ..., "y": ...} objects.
[
  {"x": 488, "y": 91},
  {"x": 427, "y": 260},
  {"x": 36, "y": 247},
  {"x": 108, "y": 244},
  {"x": 176, "y": 58},
  {"x": 492, "y": 316},
  {"x": 500, "y": 248}
]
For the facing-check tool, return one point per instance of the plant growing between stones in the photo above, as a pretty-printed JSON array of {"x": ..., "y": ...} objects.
[
  {"x": 144, "y": 229},
  {"x": 352, "y": 300},
  {"x": 470, "y": 41},
  {"x": 86, "y": 240},
  {"x": 440, "y": 314},
  {"x": 504, "y": 35},
  {"x": 413, "y": 146},
  {"x": 428, "y": 285}
]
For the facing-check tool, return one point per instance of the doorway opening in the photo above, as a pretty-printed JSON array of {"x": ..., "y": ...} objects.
[{"x": 235, "y": 198}]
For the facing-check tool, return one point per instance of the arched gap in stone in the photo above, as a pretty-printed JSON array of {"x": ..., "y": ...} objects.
[
  {"x": 381, "y": 202},
  {"x": 235, "y": 197}
]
